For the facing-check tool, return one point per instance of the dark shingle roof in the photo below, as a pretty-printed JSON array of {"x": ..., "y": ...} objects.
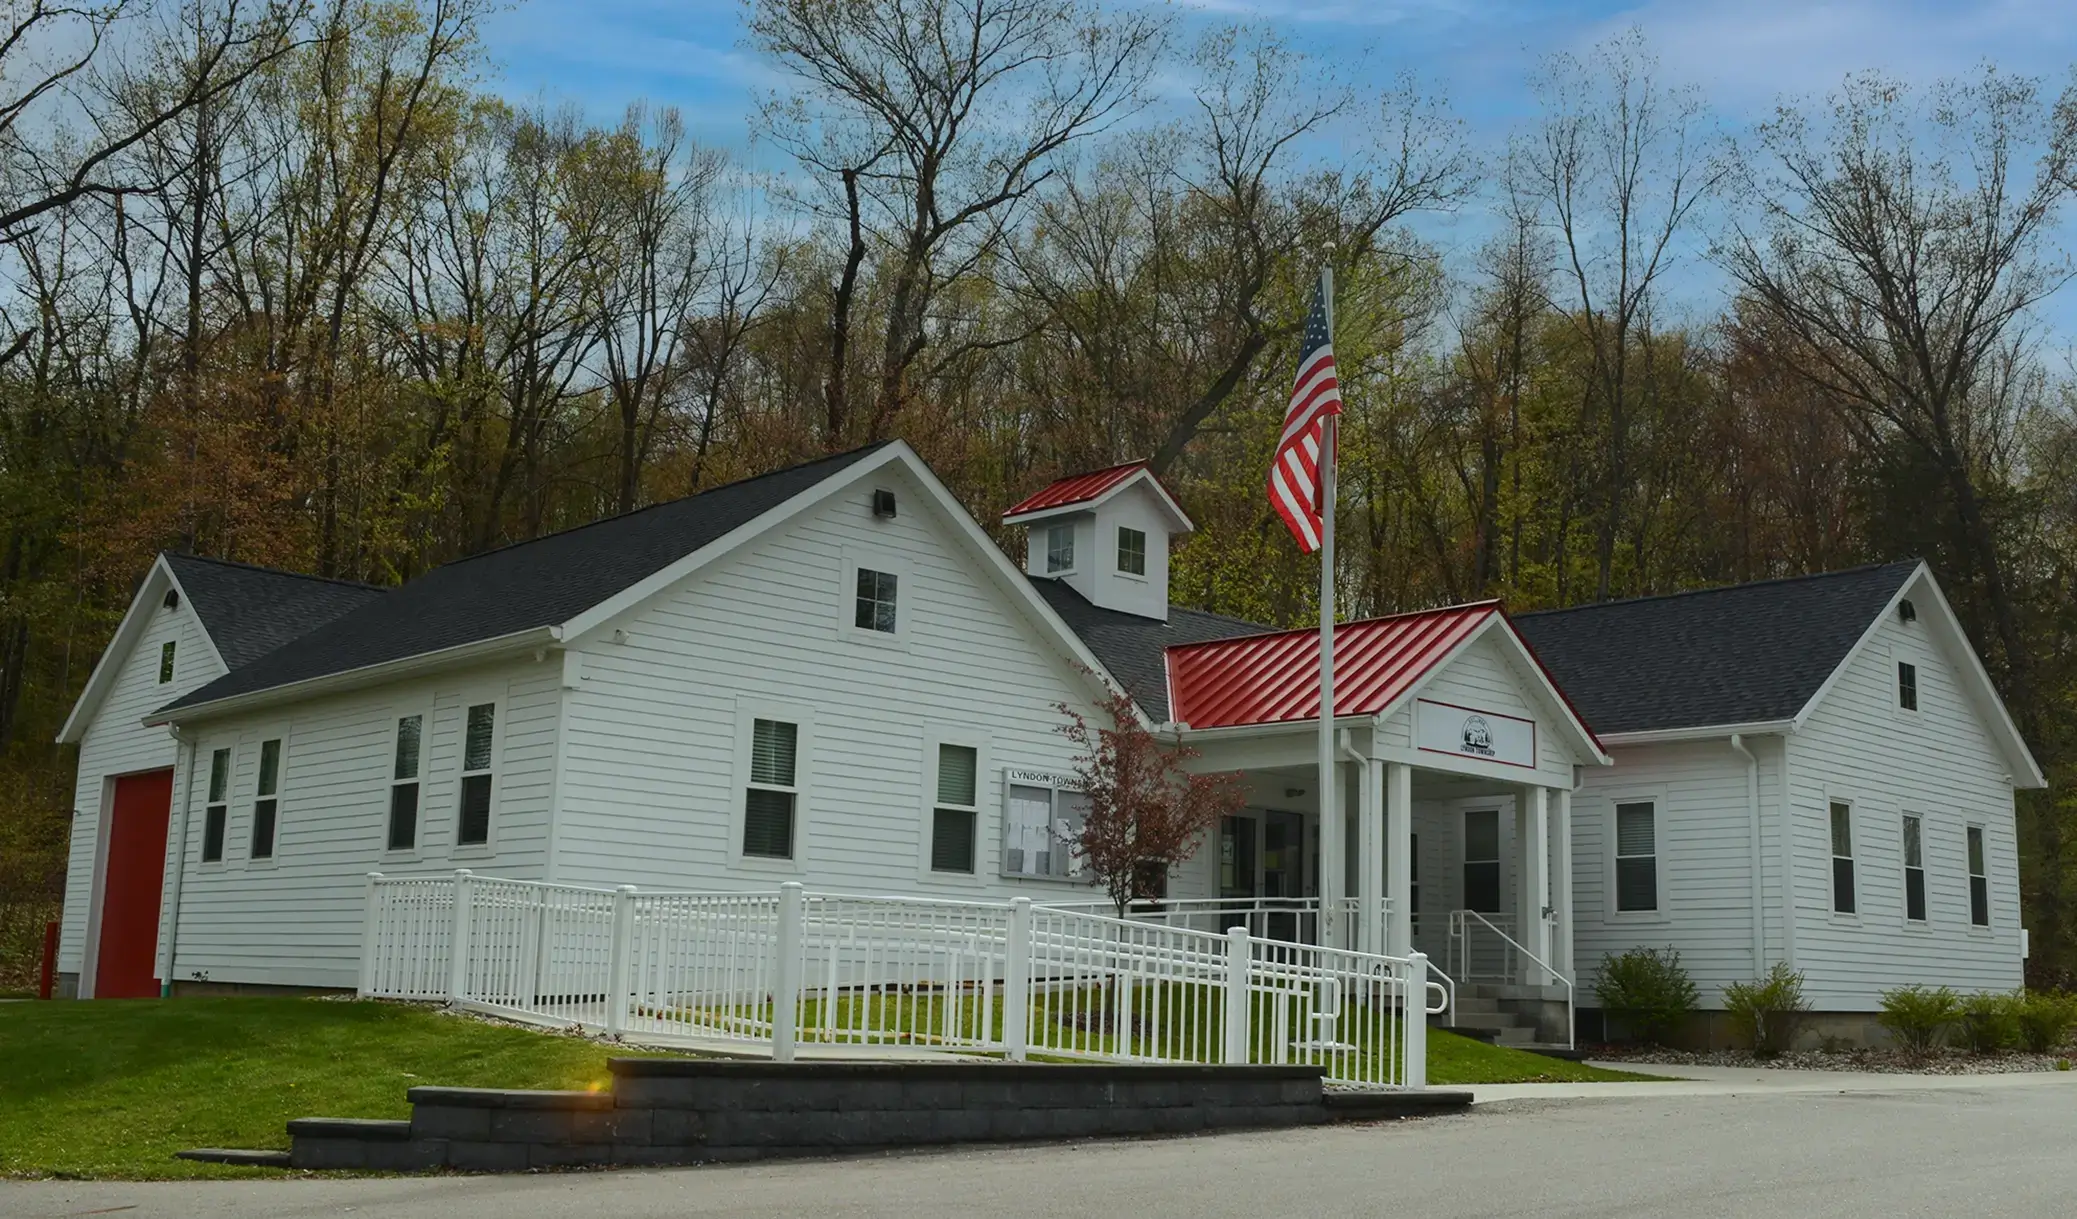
[
  {"x": 520, "y": 587},
  {"x": 250, "y": 611},
  {"x": 1750, "y": 653},
  {"x": 1133, "y": 648}
]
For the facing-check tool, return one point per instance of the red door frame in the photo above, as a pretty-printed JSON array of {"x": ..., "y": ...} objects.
[{"x": 133, "y": 874}]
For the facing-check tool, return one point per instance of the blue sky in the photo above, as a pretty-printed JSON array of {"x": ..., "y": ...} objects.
[{"x": 1743, "y": 54}]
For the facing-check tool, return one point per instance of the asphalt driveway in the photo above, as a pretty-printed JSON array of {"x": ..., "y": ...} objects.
[{"x": 1879, "y": 1148}]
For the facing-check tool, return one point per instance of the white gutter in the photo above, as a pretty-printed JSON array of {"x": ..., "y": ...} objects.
[
  {"x": 1752, "y": 810},
  {"x": 366, "y": 675},
  {"x": 170, "y": 893},
  {"x": 1699, "y": 732}
]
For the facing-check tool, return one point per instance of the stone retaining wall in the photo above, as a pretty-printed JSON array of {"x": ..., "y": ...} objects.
[{"x": 684, "y": 1111}]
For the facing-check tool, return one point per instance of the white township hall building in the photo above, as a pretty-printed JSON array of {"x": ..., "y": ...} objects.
[{"x": 831, "y": 675}]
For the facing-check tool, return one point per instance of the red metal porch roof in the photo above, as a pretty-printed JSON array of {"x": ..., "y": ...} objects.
[
  {"x": 1268, "y": 679},
  {"x": 1074, "y": 489}
]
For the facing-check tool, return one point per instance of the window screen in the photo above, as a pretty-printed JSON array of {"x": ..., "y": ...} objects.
[
  {"x": 215, "y": 814},
  {"x": 876, "y": 601},
  {"x": 1914, "y": 869},
  {"x": 1636, "y": 856},
  {"x": 266, "y": 804},
  {"x": 474, "y": 823},
  {"x": 403, "y": 790},
  {"x": 769, "y": 802},
  {"x": 953, "y": 820},
  {"x": 166, "y": 662},
  {"x": 1132, "y": 551},
  {"x": 1060, "y": 548},
  {"x": 1842, "y": 858},
  {"x": 1979, "y": 880}
]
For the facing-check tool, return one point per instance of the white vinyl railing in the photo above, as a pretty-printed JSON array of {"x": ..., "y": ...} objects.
[{"x": 898, "y": 974}]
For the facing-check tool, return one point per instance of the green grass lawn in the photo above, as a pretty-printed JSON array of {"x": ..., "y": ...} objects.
[{"x": 114, "y": 1088}]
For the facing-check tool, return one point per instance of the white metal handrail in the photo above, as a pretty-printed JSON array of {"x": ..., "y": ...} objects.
[
  {"x": 898, "y": 974},
  {"x": 1463, "y": 923},
  {"x": 1288, "y": 918}
]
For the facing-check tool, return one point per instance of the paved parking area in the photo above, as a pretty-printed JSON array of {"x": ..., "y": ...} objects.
[{"x": 1997, "y": 1148}]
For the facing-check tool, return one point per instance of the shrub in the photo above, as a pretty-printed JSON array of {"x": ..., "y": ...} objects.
[
  {"x": 2043, "y": 1018},
  {"x": 1918, "y": 1018},
  {"x": 1767, "y": 1014},
  {"x": 1988, "y": 1022},
  {"x": 1648, "y": 990}
]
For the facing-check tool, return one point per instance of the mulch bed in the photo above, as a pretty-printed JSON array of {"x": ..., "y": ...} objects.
[{"x": 1895, "y": 1062}]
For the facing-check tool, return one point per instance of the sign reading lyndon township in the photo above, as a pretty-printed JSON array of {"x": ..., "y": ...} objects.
[{"x": 1469, "y": 732}]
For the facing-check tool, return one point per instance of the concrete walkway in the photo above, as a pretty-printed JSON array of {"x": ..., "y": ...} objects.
[{"x": 1748, "y": 1081}]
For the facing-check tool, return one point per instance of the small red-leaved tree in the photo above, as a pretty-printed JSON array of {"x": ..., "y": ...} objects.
[{"x": 1147, "y": 812}]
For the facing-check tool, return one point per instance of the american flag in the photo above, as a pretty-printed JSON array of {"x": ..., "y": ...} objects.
[{"x": 1294, "y": 477}]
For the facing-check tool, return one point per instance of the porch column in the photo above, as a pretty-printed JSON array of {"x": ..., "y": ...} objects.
[
  {"x": 1334, "y": 866},
  {"x": 1370, "y": 858},
  {"x": 1532, "y": 878},
  {"x": 1561, "y": 882},
  {"x": 1399, "y": 853}
]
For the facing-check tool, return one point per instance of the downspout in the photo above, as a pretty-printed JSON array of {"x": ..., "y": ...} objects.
[
  {"x": 1788, "y": 854},
  {"x": 1752, "y": 817},
  {"x": 171, "y": 892}
]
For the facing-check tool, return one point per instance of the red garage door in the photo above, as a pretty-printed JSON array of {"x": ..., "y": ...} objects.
[{"x": 130, "y": 890}]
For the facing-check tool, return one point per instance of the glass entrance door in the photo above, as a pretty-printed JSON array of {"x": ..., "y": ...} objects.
[{"x": 1283, "y": 870}]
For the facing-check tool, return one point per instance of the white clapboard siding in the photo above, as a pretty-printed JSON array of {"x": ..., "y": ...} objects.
[
  {"x": 296, "y": 919},
  {"x": 1705, "y": 860},
  {"x": 651, "y": 780},
  {"x": 1485, "y": 677},
  {"x": 116, "y": 742},
  {"x": 1939, "y": 762}
]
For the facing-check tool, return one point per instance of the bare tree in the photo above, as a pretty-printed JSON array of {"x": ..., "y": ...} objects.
[
  {"x": 1616, "y": 169},
  {"x": 1906, "y": 281},
  {"x": 54, "y": 72},
  {"x": 655, "y": 278},
  {"x": 927, "y": 127}
]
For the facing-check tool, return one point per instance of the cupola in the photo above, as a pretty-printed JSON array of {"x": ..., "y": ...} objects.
[{"x": 1105, "y": 534}]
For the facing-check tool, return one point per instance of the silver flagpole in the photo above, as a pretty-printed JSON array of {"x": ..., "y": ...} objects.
[{"x": 1332, "y": 846}]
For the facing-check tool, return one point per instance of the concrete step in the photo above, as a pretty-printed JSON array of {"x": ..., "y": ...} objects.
[
  {"x": 1516, "y": 1037},
  {"x": 241, "y": 1156},
  {"x": 1352, "y": 1106}
]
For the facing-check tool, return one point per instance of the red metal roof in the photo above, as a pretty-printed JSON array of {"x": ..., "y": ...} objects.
[
  {"x": 1267, "y": 679},
  {"x": 1075, "y": 489}
]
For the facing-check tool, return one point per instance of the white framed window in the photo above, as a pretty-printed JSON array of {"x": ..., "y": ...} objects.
[
  {"x": 955, "y": 813},
  {"x": 1914, "y": 868},
  {"x": 1060, "y": 549},
  {"x": 166, "y": 650},
  {"x": 218, "y": 809},
  {"x": 1043, "y": 816},
  {"x": 1843, "y": 901},
  {"x": 1637, "y": 856},
  {"x": 1132, "y": 551},
  {"x": 877, "y": 605},
  {"x": 876, "y": 598},
  {"x": 1907, "y": 686},
  {"x": 266, "y": 800},
  {"x": 1482, "y": 860},
  {"x": 407, "y": 763},
  {"x": 1979, "y": 879},
  {"x": 771, "y": 798},
  {"x": 477, "y": 797}
]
